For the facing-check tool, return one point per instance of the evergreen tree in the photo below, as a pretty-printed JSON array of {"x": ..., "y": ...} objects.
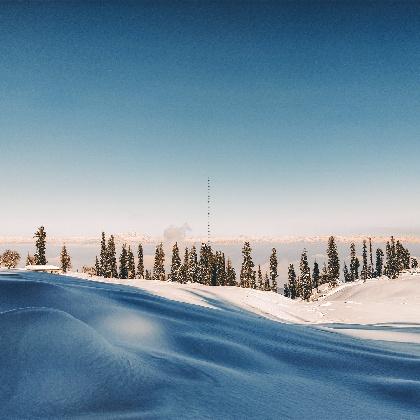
[
  {"x": 65, "y": 260},
  {"x": 40, "y": 244},
  {"x": 315, "y": 276},
  {"x": 205, "y": 268},
  {"x": 247, "y": 276},
  {"x": 267, "y": 286},
  {"x": 333, "y": 264},
  {"x": 175, "y": 264},
  {"x": 391, "y": 264},
  {"x": 273, "y": 270},
  {"x": 140, "y": 262},
  {"x": 292, "y": 286},
  {"x": 354, "y": 269},
  {"x": 260, "y": 284},
  {"x": 371, "y": 271},
  {"x": 103, "y": 257},
  {"x": 414, "y": 262},
  {"x": 30, "y": 259},
  {"x": 364, "y": 273},
  {"x": 147, "y": 275},
  {"x": 347, "y": 275},
  {"x": 323, "y": 278},
  {"x": 379, "y": 262},
  {"x": 111, "y": 259},
  {"x": 192, "y": 273},
  {"x": 402, "y": 257},
  {"x": 123, "y": 263},
  {"x": 131, "y": 264},
  {"x": 220, "y": 263},
  {"x": 159, "y": 265},
  {"x": 97, "y": 267},
  {"x": 286, "y": 290},
  {"x": 305, "y": 276},
  {"x": 230, "y": 274},
  {"x": 183, "y": 272}
]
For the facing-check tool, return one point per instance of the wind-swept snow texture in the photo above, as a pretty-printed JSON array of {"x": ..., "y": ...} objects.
[{"x": 80, "y": 349}]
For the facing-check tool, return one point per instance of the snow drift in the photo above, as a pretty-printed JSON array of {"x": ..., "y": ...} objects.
[{"x": 82, "y": 349}]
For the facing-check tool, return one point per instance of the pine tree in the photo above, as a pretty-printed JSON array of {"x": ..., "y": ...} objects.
[
  {"x": 347, "y": 275},
  {"x": 247, "y": 276},
  {"x": 175, "y": 264},
  {"x": 292, "y": 286},
  {"x": 40, "y": 244},
  {"x": 183, "y": 272},
  {"x": 379, "y": 262},
  {"x": 323, "y": 278},
  {"x": 30, "y": 259},
  {"x": 391, "y": 264},
  {"x": 65, "y": 260},
  {"x": 354, "y": 274},
  {"x": 159, "y": 265},
  {"x": 147, "y": 275},
  {"x": 371, "y": 271},
  {"x": 111, "y": 259},
  {"x": 305, "y": 276},
  {"x": 140, "y": 262},
  {"x": 192, "y": 273},
  {"x": 414, "y": 262},
  {"x": 315, "y": 276},
  {"x": 97, "y": 267},
  {"x": 333, "y": 262},
  {"x": 131, "y": 264},
  {"x": 103, "y": 257},
  {"x": 205, "y": 269},
  {"x": 273, "y": 270},
  {"x": 260, "y": 284},
  {"x": 219, "y": 269},
  {"x": 364, "y": 273},
  {"x": 267, "y": 286},
  {"x": 123, "y": 263},
  {"x": 230, "y": 274}
]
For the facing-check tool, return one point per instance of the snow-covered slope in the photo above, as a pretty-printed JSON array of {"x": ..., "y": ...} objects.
[{"x": 83, "y": 349}]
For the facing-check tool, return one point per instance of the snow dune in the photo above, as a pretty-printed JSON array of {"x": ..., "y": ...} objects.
[{"x": 72, "y": 348}]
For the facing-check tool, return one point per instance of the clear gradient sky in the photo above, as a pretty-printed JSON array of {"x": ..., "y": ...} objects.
[{"x": 305, "y": 115}]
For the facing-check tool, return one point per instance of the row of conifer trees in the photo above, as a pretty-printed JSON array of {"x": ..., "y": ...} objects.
[{"x": 214, "y": 269}]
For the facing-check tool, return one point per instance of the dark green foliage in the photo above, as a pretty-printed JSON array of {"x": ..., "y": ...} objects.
[
  {"x": 65, "y": 260},
  {"x": 131, "y": 265},
  {"x": 230, "y": 274},
  {"x": 315, "y": 276},
  {"x": 103, "y": 269},
  {"x": 175, "y": 264},
  {"x": 365, "y": 272},
  {"x": 347, "y": 275},
  {"x": 192, "y": 272},
  {"x": 183, "y": 272},
  {"x": 205, "y": 271},
  {"x": 147, "y": 275},
  {"x": 333, "y": 264},
  {"x": 97, "y": 267},
  {"x": 414, "y": 262},
  {"x": 273, "y": 270},
  {"x": 260, "y": 283},
  {"x": 379, "y": 262},
  {"x": 354, "y": 263},
  {"x": 292, "y": 282},
  {"x": 40, "y": 245},
  {"x": 247, "y": 276},
  {"x": 140, "y": 262},
  {"x": 305, "y": 276},
  {"x": 371, "y": 270},
  {"x": 111, "y": 259},
  {"x": 267, "y": 286},
  {"x": 159, "y": 264},
  {"x": 123, "y": 263},
  {"x": 286, "y": 291},
  {"x": 323, "y": 278}
]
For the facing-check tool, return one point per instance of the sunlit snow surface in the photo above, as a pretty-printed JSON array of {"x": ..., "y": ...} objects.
[{"x": 72, "y": 348}]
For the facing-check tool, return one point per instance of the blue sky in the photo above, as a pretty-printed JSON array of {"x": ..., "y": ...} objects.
[{"x": 305, "y": 116}]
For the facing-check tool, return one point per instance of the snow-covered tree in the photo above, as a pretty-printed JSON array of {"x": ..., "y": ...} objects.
[
  {"x": 192, "y": 272},
  {"x": 123, "y": 263},
  {"x": 40, "y": 245},
  {"x": 292, "y": 286},
  {"x": 30, "y": 259},
  {"x": 365, "y": 270},
  {"x": 65, "y": 260},
  {"x": 183, "y": 271},
  {"x": 97, "y": 267},
  {"x": 266, "y": 286},
  {"x": 111, "y": 259},
  {"x": 315, "y": 276},
  {"x": 247, "y": 276},
  {"x": 159, "y": 264},
  {"x": 230, "y": 274},
  {"x": 333, "y": 264},
  {"x": 347, "y": 275},
  {"x": 354, "y": 263},
  {"x": 10, "y": 259},
  {"x": 379, "y": 262},
  {"x": 371, "y": 270},
  {"x": 140, "y": 262},
  {"x": 103, "y": 257},
  {"x": 260, "y": 283},
  {"x": 305, "y": 276},
  {"x": 175, "y": 264},
  {"x": 205, "y": 271},
  {"x": 414, "y": 262},
  {"x": 131, "y": 264},
  {"x": 273, "y": 270}
]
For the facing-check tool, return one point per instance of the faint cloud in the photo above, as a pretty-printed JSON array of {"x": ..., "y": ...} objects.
[{"x": 174, "y": 234}]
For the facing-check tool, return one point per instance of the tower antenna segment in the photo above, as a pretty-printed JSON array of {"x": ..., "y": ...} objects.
[{"x": 208, "y": 211}]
